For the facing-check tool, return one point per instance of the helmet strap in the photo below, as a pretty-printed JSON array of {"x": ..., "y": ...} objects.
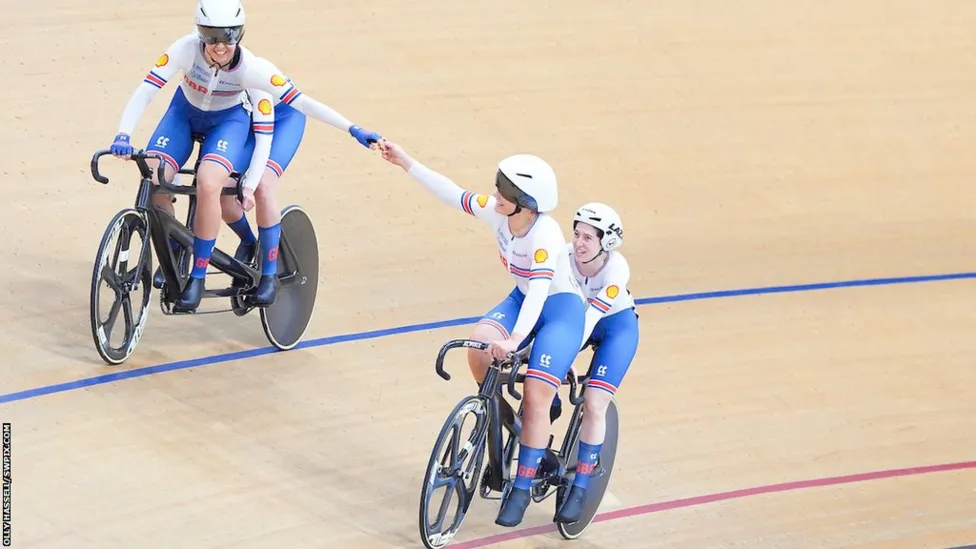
[
  {"x": 598, "y": 254},
  {"x": 518, "y": 208}
]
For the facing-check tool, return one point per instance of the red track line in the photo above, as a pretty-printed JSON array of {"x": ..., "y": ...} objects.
[{"x": 722, "y": 496}]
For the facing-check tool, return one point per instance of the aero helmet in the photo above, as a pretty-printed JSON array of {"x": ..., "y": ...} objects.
[
  {"x": 528, "y": 181},
  {"x": 220, "y": 21}
]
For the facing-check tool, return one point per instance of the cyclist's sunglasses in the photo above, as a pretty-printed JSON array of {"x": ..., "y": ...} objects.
[{"x": 220, "y": 35}]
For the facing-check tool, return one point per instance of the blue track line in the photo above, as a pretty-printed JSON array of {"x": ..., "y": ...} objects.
[{"x": 373, "y": 334}]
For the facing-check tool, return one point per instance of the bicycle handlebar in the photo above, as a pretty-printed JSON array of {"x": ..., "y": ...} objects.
[
  {"x": 454, "y": 344},
  {"x": 140, "y": 157},
  {"x": 514, "y": 359}
]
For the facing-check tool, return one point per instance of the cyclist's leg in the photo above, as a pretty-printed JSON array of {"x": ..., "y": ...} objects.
[
  {"x": 172, "y": 141},
  {"x": 559, "y": 334},
  {"x": 233, "y": 215},
  {"x": 557, "y": 342},
  {"x": 617, "y": 337},
  {"x": 288, "y": 133},
  {"x": 223, "y": 151}
]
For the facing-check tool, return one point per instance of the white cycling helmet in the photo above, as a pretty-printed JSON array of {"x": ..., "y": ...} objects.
[
  {"x": 605, "y": 220},
  {"x": 220, "y": 21},
  {"x": 528, "y": 181}
]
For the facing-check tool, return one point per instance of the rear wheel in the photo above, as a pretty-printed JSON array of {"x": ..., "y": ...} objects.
[{"x": 286, "y": 320}]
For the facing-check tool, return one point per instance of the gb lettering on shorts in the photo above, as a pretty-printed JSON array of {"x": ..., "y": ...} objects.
[
  {"x": 162, "y": 141},
  {"x": 222, "y": 145}
]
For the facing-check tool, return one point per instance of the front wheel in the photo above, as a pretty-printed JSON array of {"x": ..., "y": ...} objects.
[
  {"x": 454, "y": 465},
  {"x": 599, "y": 479},
  {"x": 121, "y": 285}
]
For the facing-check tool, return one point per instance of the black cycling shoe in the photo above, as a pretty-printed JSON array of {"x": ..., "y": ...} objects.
[
  {"x": 245, "y": 252},
  {"x": 266, "y": 291},
  {"x": 190, "y": 298},
  {"x": 569, "y": 512},
  {"x": 513, "y": 508}
]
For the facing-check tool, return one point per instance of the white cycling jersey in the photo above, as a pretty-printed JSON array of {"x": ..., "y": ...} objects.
[{"x": 535, "y": 261}]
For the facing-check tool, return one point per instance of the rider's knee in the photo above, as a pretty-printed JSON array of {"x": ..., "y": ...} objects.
[
  {"x": 211, "y": 178},
  {"x": 266, "y": 189},
  {"x": 596, "y": 403},
  {"x": 486, "y": 334},
  {"x": 538, "y": 396},
  {"x": 536, "y": 404},
  {"x": 478, "y": 359},
  {"x": 263, "y": 194}
]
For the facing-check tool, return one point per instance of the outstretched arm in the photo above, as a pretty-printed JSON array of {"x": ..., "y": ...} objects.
[
  {"x": 327, "y": 114},
  {"x": 447, "y": 191},
  {"x": 317, "y": 110},
  {"x": 268, "y": 78}
]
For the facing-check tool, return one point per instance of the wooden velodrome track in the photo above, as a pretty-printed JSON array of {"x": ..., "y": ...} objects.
[{"x": 747, "y": 144}]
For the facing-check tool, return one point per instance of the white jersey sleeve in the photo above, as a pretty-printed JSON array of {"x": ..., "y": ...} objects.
[
  {"x": 615, "y": 281},
  {"x": 179, "y": 56},
  {"x": 262, "y": 122},
  {"x": 548, "y": 243},
  {"x": 478, "y": 205},
  {"x": 264, "y": 75}
]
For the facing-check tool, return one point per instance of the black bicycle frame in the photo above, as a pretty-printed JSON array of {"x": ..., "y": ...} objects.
[
  {"x": 164, "y": 228},
  {"x": 500, "y": 413}
]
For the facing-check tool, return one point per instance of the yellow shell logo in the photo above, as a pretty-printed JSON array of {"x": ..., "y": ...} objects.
[
  {"x": 612, "y": 291},
  {"x": 541, "y": 255},
  {"x": 264, "y": 106},
  {"x": 162, "y": 61},
  {"x": 482, "y": 200},
  {"x": 278, "y": 80}
]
